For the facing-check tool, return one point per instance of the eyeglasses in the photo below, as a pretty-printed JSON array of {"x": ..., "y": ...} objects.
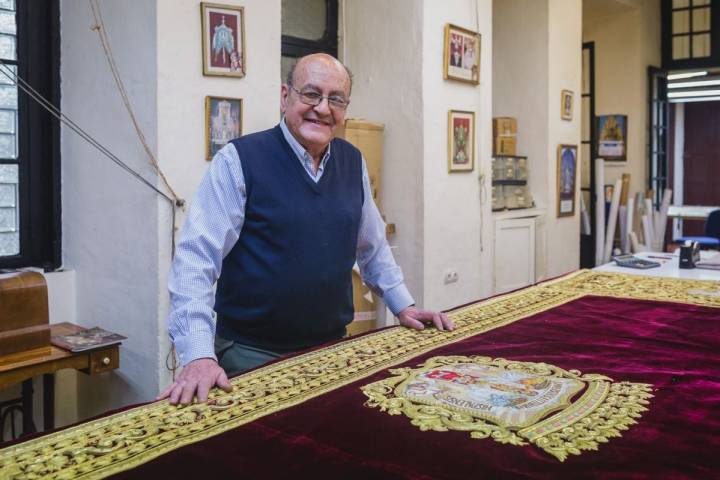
[{"x": 314, "y": 99}]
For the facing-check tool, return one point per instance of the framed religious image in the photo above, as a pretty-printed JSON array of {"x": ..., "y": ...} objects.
[
  {"x": 566, "y": 105},
  {"x": 223, "y": 40},
  {"x": 566, "y": 179},
  {"x": 612, "y": 137},
  {"x": 461, "y": 141},
  {"x": 223, "y": 122},
  {"x": 461, "y": 55}
]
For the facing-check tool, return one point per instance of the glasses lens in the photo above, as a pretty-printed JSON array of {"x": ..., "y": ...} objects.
[{"x": 310, "y": 98}]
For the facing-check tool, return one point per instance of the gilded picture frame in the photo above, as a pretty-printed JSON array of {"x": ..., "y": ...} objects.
[
  {"x": 223, "y": 40},
  {"x": 223, "y": 122},
  {"x": 567, "y": 165},
  {"x": 461, "y": 55},
  {"x": 461, "y": 141},
  {"x": 611, "y": 133},
  {"x": 566, "y": 105}
]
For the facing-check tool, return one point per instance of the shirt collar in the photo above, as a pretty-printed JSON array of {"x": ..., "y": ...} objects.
[{"x": 299, "y": 150}]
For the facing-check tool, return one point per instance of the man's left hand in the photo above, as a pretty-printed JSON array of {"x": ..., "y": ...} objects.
[{"x": 415, "y": 318}]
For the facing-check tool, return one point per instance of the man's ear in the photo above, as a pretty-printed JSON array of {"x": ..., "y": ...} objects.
[{"x": 284, "y": 92}]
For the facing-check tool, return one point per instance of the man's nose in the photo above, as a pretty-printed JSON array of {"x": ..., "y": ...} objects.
[{"x": 323, "y": 107}]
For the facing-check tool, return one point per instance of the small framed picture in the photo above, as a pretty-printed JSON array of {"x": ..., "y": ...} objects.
[
  {"x": 461, "y": 55},
  {"x": 223, "y": 40},
  {"x": 566, "y": 179},
  {"x": 566, "y": 105},
  {"x": 461, "y": 141},
  {"x": 223, "y": 122},
  {"x": 612, "y": 134}
]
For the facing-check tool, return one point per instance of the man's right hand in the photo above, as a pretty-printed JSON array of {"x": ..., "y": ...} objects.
[{"x": 199, "y": 376}]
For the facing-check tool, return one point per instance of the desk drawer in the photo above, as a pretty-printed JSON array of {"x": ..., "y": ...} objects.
[{"x": 104, "y": 360}]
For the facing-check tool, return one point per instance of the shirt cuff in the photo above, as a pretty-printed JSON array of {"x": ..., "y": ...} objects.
[
  {"x": 398, "y": 299},
  {"x": 197, "y": 345}
]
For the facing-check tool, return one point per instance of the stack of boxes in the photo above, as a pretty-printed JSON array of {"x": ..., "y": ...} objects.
[{"x": 510, "y": 171}]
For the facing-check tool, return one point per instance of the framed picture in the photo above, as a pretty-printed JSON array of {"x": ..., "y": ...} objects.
[
  {"x": 566, "y": 179},
  {"x": 461, "y": 55},
  {"x": 566, "y": 105},
  {"x": 223, "y": 122},
  {"x": 461, "y": 141},
  {"x": 223, "y": 40},
  {"x": 612, "y": 137}
]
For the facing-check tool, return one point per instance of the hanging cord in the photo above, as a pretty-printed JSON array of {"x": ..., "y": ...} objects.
[
  {"x": 68, "y": 122},
  {"x": 99, "y": 27}
]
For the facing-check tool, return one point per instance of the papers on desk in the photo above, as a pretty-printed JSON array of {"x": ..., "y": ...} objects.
[{"x": 712, "y": 263}]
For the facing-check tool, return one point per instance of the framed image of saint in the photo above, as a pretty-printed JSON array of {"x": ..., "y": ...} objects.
[
  {"x": 612, "y": 137},
  {"x": 223, "y": 40},
  {"x": 461, "y": 55},
  {"x": 461, "y": 141},
  {"x": 566, "y": 179},
  {"x": 223, "y": 122}
]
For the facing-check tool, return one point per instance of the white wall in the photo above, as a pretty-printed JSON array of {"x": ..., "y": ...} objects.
[
  {"x": 109, "y": 219},
  {"x": 182, "y": 88},
  {"x": 453, "y": 211},
  {"x": 438, "y": 215},
  {"x": 537, "y": 55},
  {"x": 625, "y": 45},
  {"x": 564, "y": 73},
  {"x": 386, "y": 59},
  {"x": 520, "y": 79}
]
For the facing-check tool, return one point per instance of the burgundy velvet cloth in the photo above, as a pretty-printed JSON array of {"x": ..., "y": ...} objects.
[{"x": 672, "y": 346}]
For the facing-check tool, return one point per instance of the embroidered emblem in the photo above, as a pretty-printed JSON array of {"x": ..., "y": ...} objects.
[{"x": 561, "y": 411}]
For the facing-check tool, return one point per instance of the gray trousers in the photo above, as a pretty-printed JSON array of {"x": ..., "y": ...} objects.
[{"x": 236, "y": 358}]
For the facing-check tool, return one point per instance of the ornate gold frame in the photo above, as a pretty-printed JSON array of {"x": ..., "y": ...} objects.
[
  {"x": 559, "y": 177},
  {"x": 451, "y": 167},
  {"x": 446, "y": 54},
  {"x": 204, "y": 6},
  {"x": 208, "y": 100}
]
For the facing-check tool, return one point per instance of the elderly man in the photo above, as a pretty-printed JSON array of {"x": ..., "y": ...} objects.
[{"x": 279, "y": 221}]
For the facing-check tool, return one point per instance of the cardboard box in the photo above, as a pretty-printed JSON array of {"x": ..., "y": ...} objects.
[
  {"x": 504, "y": 126},
  {"x": 365, "y": 310},
  {"x": 505, "y": 146},
  {"x": 368, "y": 138}
]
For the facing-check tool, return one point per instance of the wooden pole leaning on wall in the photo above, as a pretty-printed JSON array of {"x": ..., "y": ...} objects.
[
  {"x": 612, "y": 221},
  {"x": 599, "y": 211}
]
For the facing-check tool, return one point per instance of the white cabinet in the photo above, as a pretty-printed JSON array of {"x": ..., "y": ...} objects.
[{"x": 514, "y": 249}]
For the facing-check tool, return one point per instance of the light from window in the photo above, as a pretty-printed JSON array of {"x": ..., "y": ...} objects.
[{"x": 9, "y": 163}]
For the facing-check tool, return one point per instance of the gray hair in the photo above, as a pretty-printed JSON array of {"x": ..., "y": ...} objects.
[{"x": 291, "y": 72}]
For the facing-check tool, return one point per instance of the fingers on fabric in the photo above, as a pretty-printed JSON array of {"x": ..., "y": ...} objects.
[
  {"x": 198, "y": 377},
  {"x": 408, "y": 321},
  {"x": 449, "y": 325},
  {"x": 223, "y": 382}
]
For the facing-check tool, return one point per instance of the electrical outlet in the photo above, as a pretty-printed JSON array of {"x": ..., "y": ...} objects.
[{"x": 450, "y": 276}]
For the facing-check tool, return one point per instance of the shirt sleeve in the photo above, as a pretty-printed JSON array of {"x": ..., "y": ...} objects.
[
  {"x": 377, "y": 265},
  {"x": 212, "y": 228}
]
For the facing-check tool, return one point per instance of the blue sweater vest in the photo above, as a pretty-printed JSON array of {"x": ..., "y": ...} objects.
[{"x": 286, "y": 284}]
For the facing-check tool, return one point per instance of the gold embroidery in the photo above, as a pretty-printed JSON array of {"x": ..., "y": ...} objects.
[
  {"x": 122, "y": 441},
  {"x": 604, "y": 409}
]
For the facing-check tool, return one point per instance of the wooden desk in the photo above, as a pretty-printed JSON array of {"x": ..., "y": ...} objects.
[{"x": 23, "y": 366}]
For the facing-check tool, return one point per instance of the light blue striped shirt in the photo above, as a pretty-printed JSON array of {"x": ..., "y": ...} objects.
[{"x": 213, "y": 226}]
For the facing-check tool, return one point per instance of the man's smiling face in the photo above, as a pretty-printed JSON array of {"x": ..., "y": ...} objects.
[{"x": 315, "y": 126}]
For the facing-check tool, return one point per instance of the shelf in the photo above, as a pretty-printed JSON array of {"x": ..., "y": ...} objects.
[{"x": 519, "y": 213}]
